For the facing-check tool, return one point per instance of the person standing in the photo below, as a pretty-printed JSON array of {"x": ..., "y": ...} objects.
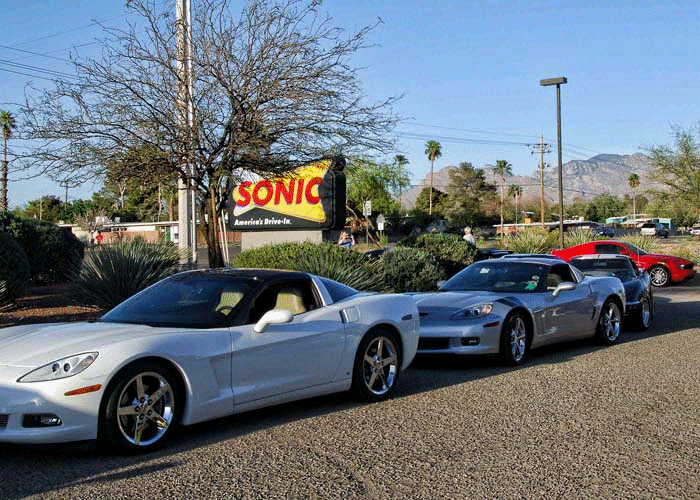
[
  {"x": 469, "y": 237},
  {"x": 346, "y": 240}
]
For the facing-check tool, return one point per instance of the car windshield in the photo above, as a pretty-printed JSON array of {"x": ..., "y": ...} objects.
[
  {"x": 189, "y": 300},
  {"x": 498, "y": 276},
  {"x": 618, "y": 268},
  {"x": 634, "y": 248}
]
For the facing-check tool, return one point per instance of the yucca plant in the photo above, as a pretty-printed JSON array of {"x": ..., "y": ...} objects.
[
  {"x": 643, "y": 241},
  {"x": 113, "y": 273},
  {"x": 577, "y": 236},
  {"x": 531, "y": 240},
  {"x": 4, "y": 296}
]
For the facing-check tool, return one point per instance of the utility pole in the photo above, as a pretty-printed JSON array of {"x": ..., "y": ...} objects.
[
  {"x": 187, "y": 227},
  {"x": 542, "y": 148}
]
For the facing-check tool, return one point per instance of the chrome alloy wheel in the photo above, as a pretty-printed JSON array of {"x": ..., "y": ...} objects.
[
  {"x": 646, "y": 313},
  {"x": 380, "y": 365},
  {"x": 659, "y": 276},
  {"x": 518, "y": 339},
  {"x": 145, "y": 408},
  {"x": 611, "y": 322}
]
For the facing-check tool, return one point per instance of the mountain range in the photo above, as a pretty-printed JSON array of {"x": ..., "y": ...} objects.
[{"x": 605, "y": 173}]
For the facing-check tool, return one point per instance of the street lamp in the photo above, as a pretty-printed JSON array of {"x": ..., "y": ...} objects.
[{"x": 558, "y": 82}]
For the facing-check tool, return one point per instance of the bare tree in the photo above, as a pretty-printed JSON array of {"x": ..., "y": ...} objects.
[{"x": 273, "y": 89}]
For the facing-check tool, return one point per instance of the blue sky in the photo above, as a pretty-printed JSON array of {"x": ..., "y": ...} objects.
[{"x": 468, "y": 71}]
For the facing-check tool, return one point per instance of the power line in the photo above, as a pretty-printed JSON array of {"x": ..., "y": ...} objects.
[{"x": 28, "y": 67}]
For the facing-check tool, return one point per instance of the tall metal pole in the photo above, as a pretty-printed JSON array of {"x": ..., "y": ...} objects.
[
  {"x": 558, "y": 82},
  {"x": 559, "y": 169},
  {"x": 186, "y": 214}
]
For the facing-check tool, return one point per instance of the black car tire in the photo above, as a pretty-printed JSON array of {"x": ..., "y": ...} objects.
[
  {"x": 609, "y": 323},
  {"x": 138, "y": 423},
  {"x": 515, "y": 339},
  {"x": 660, "y": 276},
  {"x": 377, "y": 366}
]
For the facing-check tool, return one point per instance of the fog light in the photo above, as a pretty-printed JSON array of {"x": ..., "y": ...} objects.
[
  {"x": 40, "y": 420},
  {"x": 469, "y": 341}
]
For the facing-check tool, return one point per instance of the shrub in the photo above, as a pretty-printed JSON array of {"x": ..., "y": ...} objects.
[
  {"x": 111, "y": 274},
  {"x": 325, "y": 259},
  {"x": 643, "y": 241},
  {"x": 450, "y": 250},
  {"x": 577, "y": 236},
  {"x": 691, "y": 254},
  {"x": 52, "y": 251},
  {"x": 4, "y": 296},
  {"x": 531, "y": 240},
  {"x": 409, "y": 269},
  {"x": 14, "y": 268}
]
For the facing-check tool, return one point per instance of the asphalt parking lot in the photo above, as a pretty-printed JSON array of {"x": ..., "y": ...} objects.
[{"x": 575, "y": 421}]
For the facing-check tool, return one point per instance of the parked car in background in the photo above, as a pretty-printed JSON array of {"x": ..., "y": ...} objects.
[
  {"x": 197, "y": 346},
  {"x": 639, "y": 309},
  {"x": 695, "y": 231},
  {"x": 607, "y": 231},
  {"x": 663, "y": 269},
  {"x": 654, "y": 229},
  {"x": 508, "y": 306}
]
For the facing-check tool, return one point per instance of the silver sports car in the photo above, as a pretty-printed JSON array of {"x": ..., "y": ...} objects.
[
  {"x": 197, "y": 346},
  {"x": 508, "y": 306}
]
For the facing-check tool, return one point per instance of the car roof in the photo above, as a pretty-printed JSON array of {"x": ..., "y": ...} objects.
[
  {"x": 532, "y": 258},
  {"x": 260, "y": 274},
  {"x": 601, "y": 256}
]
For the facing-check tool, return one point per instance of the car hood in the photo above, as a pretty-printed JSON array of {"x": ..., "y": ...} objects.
[
  {"x": 448, "y": 303},
  {"x": 34, "y": 345}
]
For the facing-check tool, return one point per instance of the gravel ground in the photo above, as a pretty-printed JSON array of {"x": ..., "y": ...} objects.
[{"x": 576, "y": 421}]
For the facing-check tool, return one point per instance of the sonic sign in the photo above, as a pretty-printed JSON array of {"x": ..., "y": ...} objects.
[{"x": 312, "y": 197}]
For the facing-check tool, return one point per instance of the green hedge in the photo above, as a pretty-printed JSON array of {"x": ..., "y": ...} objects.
[
  {"x": 53, "y": 252},
  {"x": 409, "y": 269},
  {"x": 325, "y": 259},
  {"x": 450, "y": 250},
  {"x": 14, "y": 268}
]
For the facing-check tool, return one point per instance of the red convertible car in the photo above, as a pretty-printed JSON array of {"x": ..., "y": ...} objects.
[{"x": 663, "y": 269}]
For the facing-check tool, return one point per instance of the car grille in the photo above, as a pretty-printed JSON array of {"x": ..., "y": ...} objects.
[
  {"x": 429, "y": 344},
  {"x": 3, "y": 420}
]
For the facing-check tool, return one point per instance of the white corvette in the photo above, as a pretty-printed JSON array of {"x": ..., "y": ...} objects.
[{"x": 197, "y": 346}]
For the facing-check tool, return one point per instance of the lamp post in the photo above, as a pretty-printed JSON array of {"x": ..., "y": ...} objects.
[{"x": 558, "y": 82}]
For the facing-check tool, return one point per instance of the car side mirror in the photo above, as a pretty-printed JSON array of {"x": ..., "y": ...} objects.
[
  {"x": 564, "y": 286},
  {"x": 273, "y": 317}
]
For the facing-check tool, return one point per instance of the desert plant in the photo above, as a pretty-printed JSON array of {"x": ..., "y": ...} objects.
[
  {"x": 577, "y": 236},
  {"x": 531, "y": 240},
  {"x": 112, "y": 273},
  {"x": 451, "y": 252},
  {"x": 643, "y": 241},
  {"x": 409, "y": 269},
  {"x": 4, "y": 296},
  {"x": 685, "y": 252},
  {"x": 325, "y": 259},
  {"x": 14, "y": 267}
]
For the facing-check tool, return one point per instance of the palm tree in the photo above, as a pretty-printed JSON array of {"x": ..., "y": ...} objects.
[
  {"x": 633, "y": 180},
  {"x": 400, "y": 161},
  {"x": 502, "y": 169},
  {"x": 7, "y": 125},
  {"x": 515, "y": 191},
  {"x": 432, "y": 149}
]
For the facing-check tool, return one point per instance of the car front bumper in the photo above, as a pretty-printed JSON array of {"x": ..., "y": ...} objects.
[
  {"x": 77, "y": 414},
  {"x": 460, "y": 337}
]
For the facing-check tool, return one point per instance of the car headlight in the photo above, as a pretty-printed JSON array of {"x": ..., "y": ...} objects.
[
  {"x": 62, "y": 368},
  {"x": 472, "y": 312}
]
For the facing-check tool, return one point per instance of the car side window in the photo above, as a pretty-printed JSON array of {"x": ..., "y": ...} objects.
[
  {"x": 607, "y": 248},
  {"x": 294, "y": 296},
  {"x": 560, "y": 273}
]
